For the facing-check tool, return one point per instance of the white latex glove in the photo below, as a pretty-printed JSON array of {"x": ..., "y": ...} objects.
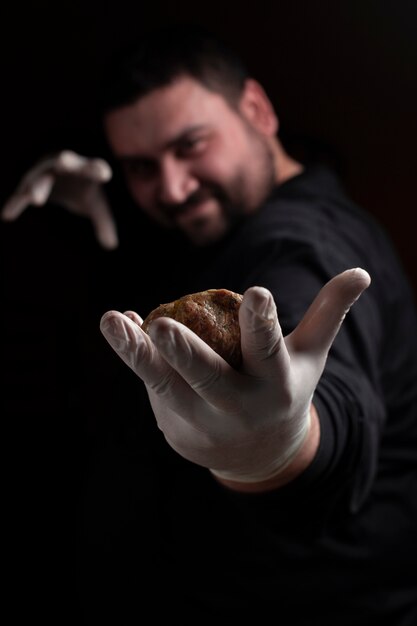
[
  {"x": 247, "y": 425},
  {"x": 73, "y": 181}
]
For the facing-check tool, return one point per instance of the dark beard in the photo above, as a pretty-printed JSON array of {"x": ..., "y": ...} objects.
[
  {"x": 233, "y": 201},
  {"x": 206, "y": 192},
  {"x": 236, "y": 200}
]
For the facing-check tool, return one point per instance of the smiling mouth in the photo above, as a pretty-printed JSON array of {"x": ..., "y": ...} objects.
[{"x": 191, "y": 211}]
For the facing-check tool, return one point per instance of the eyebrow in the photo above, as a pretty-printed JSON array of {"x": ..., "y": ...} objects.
[
  {"x": 183, "y": 134},
  {"x": 169, "y": 144}
]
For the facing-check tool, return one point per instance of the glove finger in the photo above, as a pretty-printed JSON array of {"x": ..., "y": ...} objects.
[
  {"x": 207, "y": 373},
  {"x": 45, "y": 166},
  {"x": 38, "y": 193},
  {"x": 69, "y": 162},
  {"x": 41, "y": 189},
  {"x": 173, "y": 401},
  {"x": 34, "y": 188},
  {"x": 139, "y": 353},
  {"x": 65, "y": 162},
  {"x": 134, "y": 317},
  {"x": 15, "y": 206},
  {"x": 98, "y": 170},
  {"x": 321, "y": 323},
  {"x": 263, "y": 347},
  {"x": 128, "y": 340},
  {"x": 103, "y": 222}
]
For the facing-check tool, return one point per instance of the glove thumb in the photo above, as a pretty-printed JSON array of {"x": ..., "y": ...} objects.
[{"x": 322, "y": 320}]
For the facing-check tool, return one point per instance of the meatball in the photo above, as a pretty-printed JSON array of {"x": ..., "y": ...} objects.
[{"x": 212, "y": 315}]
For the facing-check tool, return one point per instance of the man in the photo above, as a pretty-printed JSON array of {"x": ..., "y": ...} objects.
[{"x": 284, "y": 491}]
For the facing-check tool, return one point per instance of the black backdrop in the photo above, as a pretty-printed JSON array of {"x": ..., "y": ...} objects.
[{"x": 342, "y": 75}]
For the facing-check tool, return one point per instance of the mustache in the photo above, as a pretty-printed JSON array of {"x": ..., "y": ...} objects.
[{"x": 207, "y": 192}]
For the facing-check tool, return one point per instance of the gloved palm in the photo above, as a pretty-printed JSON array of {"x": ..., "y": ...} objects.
[
  {"x": 72, "y": 181},
  {"x": 244, "y": 425}
]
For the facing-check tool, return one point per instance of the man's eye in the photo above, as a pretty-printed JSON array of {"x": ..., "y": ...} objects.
[
  {"x": 140, "y": 169},
  {"x": 191, "y": 146}
]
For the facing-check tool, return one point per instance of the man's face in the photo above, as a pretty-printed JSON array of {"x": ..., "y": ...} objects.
[{"x": 190, "y": 160}]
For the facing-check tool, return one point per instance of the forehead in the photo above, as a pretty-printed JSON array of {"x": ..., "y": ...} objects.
[{"x": 163, "y": 114}]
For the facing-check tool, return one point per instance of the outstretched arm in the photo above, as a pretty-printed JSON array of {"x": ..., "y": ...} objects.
[{"x": 255, "y": 428}]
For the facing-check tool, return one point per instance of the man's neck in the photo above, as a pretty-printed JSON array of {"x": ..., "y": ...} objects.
[{"x": 285, "y": 166}]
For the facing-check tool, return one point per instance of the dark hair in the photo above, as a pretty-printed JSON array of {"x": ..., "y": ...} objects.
[{"x": 163, "y": 55}]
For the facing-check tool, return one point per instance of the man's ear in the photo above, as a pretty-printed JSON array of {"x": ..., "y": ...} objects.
[{"x": 257, "y": 108}]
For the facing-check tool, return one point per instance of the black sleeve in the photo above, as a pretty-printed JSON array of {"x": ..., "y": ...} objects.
[{"x": 349, "y": 397}]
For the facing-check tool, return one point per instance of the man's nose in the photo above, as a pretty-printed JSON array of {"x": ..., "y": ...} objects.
[{"x": 176, "y": 182}]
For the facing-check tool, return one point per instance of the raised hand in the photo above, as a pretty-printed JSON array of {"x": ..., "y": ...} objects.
[{"x": 73, "y": 181}]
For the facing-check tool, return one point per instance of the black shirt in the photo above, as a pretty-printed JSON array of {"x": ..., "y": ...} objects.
[
  {"x": 156, "y": 533},
  {"x": 339, "y": 544}
]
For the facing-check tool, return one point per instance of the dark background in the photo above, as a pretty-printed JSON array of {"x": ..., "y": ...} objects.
[{"x": 342, "y": 76}]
